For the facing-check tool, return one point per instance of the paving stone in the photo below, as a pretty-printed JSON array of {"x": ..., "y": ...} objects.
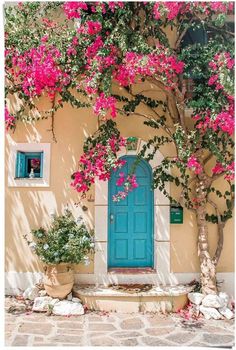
[
  {"x": 61, "y": 338},
  {"x": 217, "y": 338},
  {"x": 45, "y": 344},
  {"x": 132, "y": 323},
  {"x": 7, "y": 338},
  {"x": 72, "y": 325},
  {"x": 158, "y": 321},
  {"x": 105, "y": 341},
  {"x": 70, "y": 331},
  {"x": 9, "y": 327},
  {"x": 38, "y": 328},
  {"x": 94, "y": 318},
  {"x": 94, "y": 334},
  {"x": 35, "y": 317},
  {"x": 101, "y": 327},
  {"x": 159, "y": 331},
  {"x": 131, "y": 334},
  {"x": 20, "y": 340},
  {"x": 129, "y": 342},
  {"x": 180, "y": 337},
  {"x": 38, "y": 339},
  {"x": 216, "y": 330},
  {"x": 154, "y": 341}
]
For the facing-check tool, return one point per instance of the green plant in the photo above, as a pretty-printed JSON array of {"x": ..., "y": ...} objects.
[{"x": 65, "y": 241}]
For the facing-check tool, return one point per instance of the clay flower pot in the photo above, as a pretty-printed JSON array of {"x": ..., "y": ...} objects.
[{"x": 58, "y": 280}]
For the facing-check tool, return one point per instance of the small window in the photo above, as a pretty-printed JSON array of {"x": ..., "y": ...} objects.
[
  {"x": 194, "y": 36},
  {"x": 29, "y": 165}
]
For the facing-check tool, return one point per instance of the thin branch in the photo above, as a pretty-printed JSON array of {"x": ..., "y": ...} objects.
[
  {"x": 53, "y": 120},
  {"x": 180, "y": 37}
]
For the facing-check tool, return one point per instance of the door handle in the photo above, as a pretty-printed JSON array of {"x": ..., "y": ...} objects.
[{"x": 111, "y": 218}]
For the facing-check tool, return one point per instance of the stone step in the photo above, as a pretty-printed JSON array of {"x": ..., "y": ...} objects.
[{"x": 133, "y": 298}]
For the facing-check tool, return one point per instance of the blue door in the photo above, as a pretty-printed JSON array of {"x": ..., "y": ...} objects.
[{"x": 130, "y": 221}]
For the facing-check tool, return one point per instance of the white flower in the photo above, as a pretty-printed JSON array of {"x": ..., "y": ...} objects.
[
  {"x": 86, "y": 261},
  {"x": 79, "y": 220},
  {"x": 46, "y": 246},
  {"x": 32, "y": 245}
]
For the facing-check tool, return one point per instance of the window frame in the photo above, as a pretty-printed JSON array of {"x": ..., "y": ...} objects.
[{"x": 27, "y": 148}]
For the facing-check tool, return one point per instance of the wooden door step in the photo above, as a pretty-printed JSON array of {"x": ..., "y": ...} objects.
[{"x": 131, "y": 298}]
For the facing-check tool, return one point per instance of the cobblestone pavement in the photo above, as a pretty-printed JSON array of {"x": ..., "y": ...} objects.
[{"x": 113, "y": 329}]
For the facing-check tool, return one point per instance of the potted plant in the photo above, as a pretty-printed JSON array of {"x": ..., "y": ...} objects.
[{"x": 66, "y": 242}]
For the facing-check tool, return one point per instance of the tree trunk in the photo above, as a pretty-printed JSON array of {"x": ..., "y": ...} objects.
[{"x": 207, "y": 266}]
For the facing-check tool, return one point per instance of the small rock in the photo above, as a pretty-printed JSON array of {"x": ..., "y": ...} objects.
[
  {"x": 31, "y": 293},
  {"x": 69, "y": 296},
  {"x": 76, "y": 300},
  {"x": 42, "y": 293},
  {"x": 210, "y": 312},
  {"x": 196, "y": 298},
  {"x": 212, "y": 300},
  {"x": 66, "y": 308},
  {"x": 225, "y": 298},
  {"x": 226, "y": 312},
  {"x": 43, "y": 303},
  {"x": 17, "y": 308}
]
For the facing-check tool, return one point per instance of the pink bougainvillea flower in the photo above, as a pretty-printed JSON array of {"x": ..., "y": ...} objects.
[
  {"x": 9, "y": 120},
  {"x": 104, "y": 105},
  {"x": 194, "y": 165}
]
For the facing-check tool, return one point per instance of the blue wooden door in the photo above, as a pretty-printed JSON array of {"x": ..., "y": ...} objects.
[{"x": 130, "y": 221}]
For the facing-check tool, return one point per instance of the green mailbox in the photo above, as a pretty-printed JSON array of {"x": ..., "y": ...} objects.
[{"x": 176, "y": 214}]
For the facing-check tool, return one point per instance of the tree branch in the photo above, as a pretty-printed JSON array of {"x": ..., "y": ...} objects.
[{"x": 221, "y": 226}]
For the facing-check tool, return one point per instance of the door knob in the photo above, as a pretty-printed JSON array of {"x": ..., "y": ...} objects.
[{"x": 111, "y": 218}]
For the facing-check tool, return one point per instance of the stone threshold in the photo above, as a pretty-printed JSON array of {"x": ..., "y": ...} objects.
[
  {"x": 131, "y": 271},
  {"x": 114, "y": 291}
]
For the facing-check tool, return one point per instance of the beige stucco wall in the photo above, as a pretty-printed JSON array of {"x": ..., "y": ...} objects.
[{"x": 28, "y": 208}]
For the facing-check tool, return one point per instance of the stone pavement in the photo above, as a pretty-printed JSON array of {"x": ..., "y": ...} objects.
[{"x": 113, "y": 329}]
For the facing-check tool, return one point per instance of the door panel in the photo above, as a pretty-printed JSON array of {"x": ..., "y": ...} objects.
[{"x": 131, "y": 220}]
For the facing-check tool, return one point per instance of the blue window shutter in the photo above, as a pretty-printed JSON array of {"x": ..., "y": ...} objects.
[
  {"x": 41, "y": 164},
  {"x": 20, "y": 164}
]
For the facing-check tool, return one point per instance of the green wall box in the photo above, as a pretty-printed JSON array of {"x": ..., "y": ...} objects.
[{"x": 176, "y": 214}]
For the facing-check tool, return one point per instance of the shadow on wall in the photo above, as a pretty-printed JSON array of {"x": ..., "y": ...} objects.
[{"x": 28, "y": 208}]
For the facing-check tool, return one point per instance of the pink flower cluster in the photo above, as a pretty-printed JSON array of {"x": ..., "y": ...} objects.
[
  {"x": 37, "y": 71},
  {"x": 229, "y": 170},
  {"x": 162, "y": 65},
  {"x": 99, "y": 161},
  {"x": 224, "y": 121},
  {"x": 220, "y": 62},
  {"x": 9, "y": 120},
  {"x": 72, "y": 9},
  {"x": 169, "y": 10},
  {"x": 113, "y": 5},
  {"x": 90, "y": 28},
  {"x": 194, "y": 165},
  {"x": 94, "y": 47},
  {"x": 129, "y": 183},
  {"x": 104, "y": 105}
]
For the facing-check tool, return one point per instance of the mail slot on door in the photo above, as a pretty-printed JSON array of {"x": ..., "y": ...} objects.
[{"x": 176, "y": 214}]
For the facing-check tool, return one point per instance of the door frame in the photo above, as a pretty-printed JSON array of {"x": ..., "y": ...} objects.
[
  {"x": 148, "y": 166},
  {"x": 100, "y": 274}
]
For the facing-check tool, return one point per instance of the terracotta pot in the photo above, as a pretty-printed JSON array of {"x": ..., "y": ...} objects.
[{"x": 58, "y": 280}]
